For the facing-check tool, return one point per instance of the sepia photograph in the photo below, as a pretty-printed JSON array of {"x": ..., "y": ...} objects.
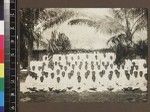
[{"x": 83, "y": 55}]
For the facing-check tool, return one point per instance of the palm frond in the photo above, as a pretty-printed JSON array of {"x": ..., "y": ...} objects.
[
  {"x": 141, "y": 24},
  {"x": 43, "y": 44},
  {"x": 117, "y": 38},
  {"x": 136, "y": 12},
  {"x": 103, "y": 25},
  {"x": 58, "y": 19},
  {"x": 118, "y": 13},
  {"x": 88, "y": 22},
  {"x": 110, "y": 25}
]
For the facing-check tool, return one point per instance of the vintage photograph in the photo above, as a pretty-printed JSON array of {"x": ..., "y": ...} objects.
[{"x": 83, "y": 55}]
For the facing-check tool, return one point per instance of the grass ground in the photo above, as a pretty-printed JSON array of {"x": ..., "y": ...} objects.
[{"x": 85, "y": 96}]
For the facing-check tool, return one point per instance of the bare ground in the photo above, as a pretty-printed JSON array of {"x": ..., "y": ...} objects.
[{"x": 120, "y": 96}]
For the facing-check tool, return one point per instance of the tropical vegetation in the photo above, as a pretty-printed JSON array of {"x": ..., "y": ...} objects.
[{"x": 122, "y": 25}]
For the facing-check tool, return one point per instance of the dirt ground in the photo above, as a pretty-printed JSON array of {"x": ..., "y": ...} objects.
[{"x": 120, "y": 96}]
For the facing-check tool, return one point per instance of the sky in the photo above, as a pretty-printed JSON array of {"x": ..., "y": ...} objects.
[
  {"x": 83, "y": 36},
  {"x": 96, "y": 12}
]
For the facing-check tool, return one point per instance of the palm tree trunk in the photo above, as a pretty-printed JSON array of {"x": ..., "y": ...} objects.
[
  {"x": 30, "y": 46},
  {"x": 128, "y": 30}
]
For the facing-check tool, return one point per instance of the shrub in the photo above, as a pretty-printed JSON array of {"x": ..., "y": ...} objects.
[
  {"x": 141, "y": 49},
  {"x": 60, "y": 44},
  {"x": 130, "y": 51}
]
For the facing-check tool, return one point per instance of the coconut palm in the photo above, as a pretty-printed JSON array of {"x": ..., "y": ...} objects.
[
  {"x": 126, "y": 21},
  {"x": 33, "y": 22},
  {"x": 28, "y": 20},
  {"x": 53, "y": 16},
  {"x": 130, "y": 21},
  {"x": 122, "y": 23}
]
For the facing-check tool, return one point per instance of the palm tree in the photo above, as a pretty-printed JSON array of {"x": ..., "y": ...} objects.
[
  {"x": 126, "y": 21},
  {"x": 63, "y": 42},
  {"x": 123, "y": 23},
  {"x": 34, "y": 21},
  {"x": 28, "y": 20},
  {"x": 58, "y": 42},
  {"x": 52, "y": 46},
  {"x": 129, "y": 21},
  {"x": 54, "y": 16}
]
